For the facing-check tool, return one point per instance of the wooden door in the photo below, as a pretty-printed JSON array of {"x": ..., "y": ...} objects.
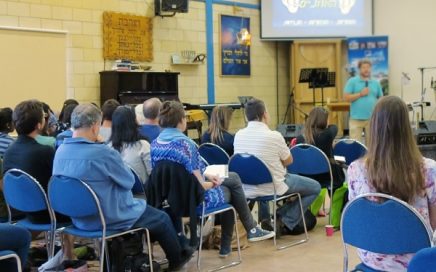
[{"x": 315, "y": 54}]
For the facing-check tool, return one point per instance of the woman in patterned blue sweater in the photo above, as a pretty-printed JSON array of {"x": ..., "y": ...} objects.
[{"x": 173, "y": 145}]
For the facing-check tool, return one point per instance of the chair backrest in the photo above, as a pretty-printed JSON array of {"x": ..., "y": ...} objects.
[
  {"x": 74, "y": 198},
  {"x": 138, "y": 187},
  {"x": 308, "y": 160},
  {"x": 350, "y": 149},
  {"x": 424, "y": 260},
  {"x": 388, "y": 226},
  {"x": 213, "y": 154},
  {"x": 23, "y": 192},
  {"x": 251, "y": 170}
]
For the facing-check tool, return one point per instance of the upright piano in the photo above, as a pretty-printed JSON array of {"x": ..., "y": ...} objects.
[{"x": 136, "y": 87}]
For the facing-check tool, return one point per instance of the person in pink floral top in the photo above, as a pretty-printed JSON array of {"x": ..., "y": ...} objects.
[{"x": 394, "y": 166}]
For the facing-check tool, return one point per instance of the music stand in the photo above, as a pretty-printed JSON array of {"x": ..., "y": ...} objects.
[
  {"x": 325, "y": 81},
  {"x": 317, "y": 78}
]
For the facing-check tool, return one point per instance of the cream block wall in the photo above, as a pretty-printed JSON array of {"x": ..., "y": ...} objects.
[
  {"x": 410, "y": 26},
  {"x": 83, "y": 21}
]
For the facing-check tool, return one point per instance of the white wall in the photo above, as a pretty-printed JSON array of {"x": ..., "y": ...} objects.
[{"x": 411, "y": 27}]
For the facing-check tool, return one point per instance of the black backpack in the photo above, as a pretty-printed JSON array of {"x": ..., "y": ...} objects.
[
  {"x": 126, "y": 254},
  {"x": 310, "y": 223}
]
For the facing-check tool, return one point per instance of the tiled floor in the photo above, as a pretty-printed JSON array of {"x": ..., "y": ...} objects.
[{"x": 320, "y": 253}]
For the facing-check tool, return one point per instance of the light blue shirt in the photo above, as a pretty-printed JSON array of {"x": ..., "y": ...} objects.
[
  {"x": 102, "y": 168},
  {"x": 361, "y": 109}
]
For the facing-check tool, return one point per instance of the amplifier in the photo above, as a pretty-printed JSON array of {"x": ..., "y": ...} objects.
[
  {"x": 425, "y": 133},
  {"x": 290, "y": 131}
]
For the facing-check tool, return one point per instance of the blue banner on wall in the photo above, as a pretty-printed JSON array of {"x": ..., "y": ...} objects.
[
  {"x": 374, "y": 49},
  {"x": 235, "y": 46}
]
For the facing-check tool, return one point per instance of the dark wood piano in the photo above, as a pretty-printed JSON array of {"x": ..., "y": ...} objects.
[{"x": 136, "y": 87}]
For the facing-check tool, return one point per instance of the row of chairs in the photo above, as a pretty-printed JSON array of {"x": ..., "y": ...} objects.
[
  {"x": 351, "y": 150},
  {"x": 24, "y": 193},
  {"x": 308, "y": 159}
]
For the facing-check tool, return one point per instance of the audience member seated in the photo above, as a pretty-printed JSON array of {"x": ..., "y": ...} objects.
[
  {"x": 217, "y": 132},
  {"x": 6, "y": 127},
  {"x": 50, "y": 123},
  {"x": 102, "y": 168},
  {"x": 270, "y": 146},
  {"x": 173, "y": 145},
  {"x": 394, "y": 166},
  {"x": 139, "y": 112},
  {"x": 66, "y": 124},
  {"x": 126, "y": 140},
  {"x": 317, "y": 132},
  {"x": 151, "y": 129},
  {"x": 16, "y": 239},
  {"x": 31, "y": 157},
  {"x": 25, "y": 153},
  {"x": 64, "y": 121},
  {"x": 108, "y": 109}
]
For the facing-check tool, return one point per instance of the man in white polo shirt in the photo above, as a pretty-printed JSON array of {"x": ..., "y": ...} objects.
[{"x": 270, "y": 146}]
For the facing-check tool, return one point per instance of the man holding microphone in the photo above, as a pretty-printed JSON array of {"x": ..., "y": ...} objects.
[{"x": 362, "y": 92}]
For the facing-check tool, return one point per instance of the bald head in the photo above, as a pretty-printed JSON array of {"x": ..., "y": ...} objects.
[{"x": 151, "y": 109}]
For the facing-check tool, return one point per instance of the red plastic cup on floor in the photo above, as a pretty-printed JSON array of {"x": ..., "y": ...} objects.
[{"x": 329, "y": 230}]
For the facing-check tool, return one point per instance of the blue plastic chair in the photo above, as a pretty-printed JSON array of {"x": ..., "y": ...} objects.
[
  {"x": 138, "y": 187},
  {"x": 8, "y": 254},
  {"x": 350, "y": 149},
  {"x": 211, "y": 212},
  {"x": 243, "y": 164},
  {"x": 388, "y": 226},
  {"x": 423, "y": 261},
  {"x": 64, "y": 194},
  {"x": 310, "y": 160},
  {"x": 213, "y": 154},
  {"x": 24, "y": 193}
]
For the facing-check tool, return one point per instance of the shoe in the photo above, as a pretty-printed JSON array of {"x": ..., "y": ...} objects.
[
  {"x": 257, "y": 234},
  {"x": 184, "y": 259},
  {"x": 225, "y": 252},
  {"x": 266, "y": 225}
]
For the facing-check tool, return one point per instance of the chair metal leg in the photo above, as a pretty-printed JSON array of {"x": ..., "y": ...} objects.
[
  {"x": 52, "y": 238},
  {"x": 107, "y": 257},
  {"x": 18, "y": 261},
  {"x": 150, "y": 253},
  {"x": 345, "y": 268},
  {"x": 102, "y": 253},
  {"x": 201, "y": 243},
  {"x": 280, "y": 247},
  {"x": 331, "y": 204},
  {"x": 234, "y": 263}
]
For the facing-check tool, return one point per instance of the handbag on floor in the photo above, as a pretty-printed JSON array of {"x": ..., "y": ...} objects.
[
  {"x": 213, "y": 241},
  {"x": 126, "y": 254}
]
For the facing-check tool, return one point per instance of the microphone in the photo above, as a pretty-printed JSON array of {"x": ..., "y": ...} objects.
[{"x": 406, "y": 76}]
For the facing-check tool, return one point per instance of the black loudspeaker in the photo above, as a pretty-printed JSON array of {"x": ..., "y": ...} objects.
[
  {"x": 290, "y": 131},
  {"x": 171, "y": 6}
]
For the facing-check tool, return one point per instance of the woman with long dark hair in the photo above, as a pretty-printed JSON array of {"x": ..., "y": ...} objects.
[
  {"x": 64, "y": 121},
  {"x": 319, "y": 133},
  {"x": 125, "y": 138},
  {"x": 394, "y": 166},
  {"x": 217, "y": 132}
]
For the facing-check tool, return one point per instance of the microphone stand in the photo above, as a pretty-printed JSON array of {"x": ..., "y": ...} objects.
[{"x": 422, "y": 70}]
